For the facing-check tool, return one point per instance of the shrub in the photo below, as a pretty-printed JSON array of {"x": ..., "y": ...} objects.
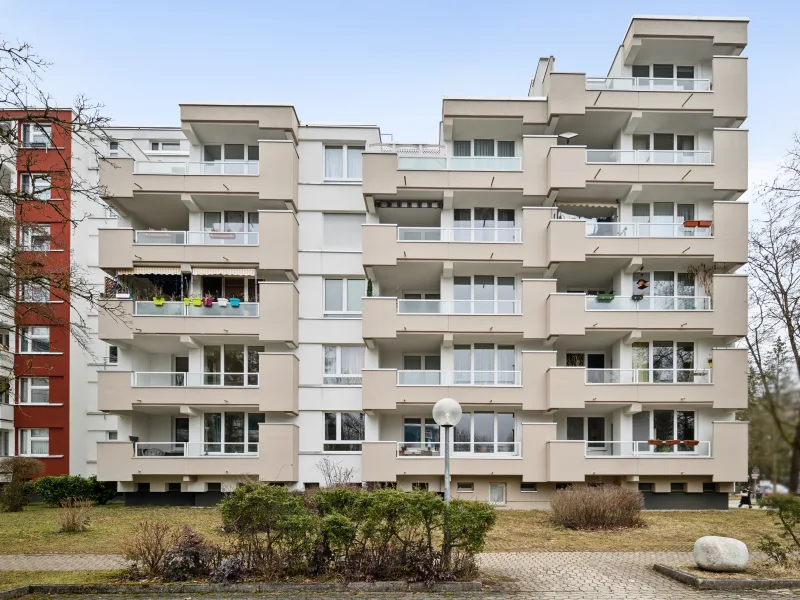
[
  {"x": 189, "y": 557},
  {"x": 53, "y": 490},
  {"x": 786, "y": 510},
  {"x": 20, "y": 470},
  {"x": 604, "y": 507},
  {"x": 147, "y": 546},
  {"x": 74, "y": 515}
]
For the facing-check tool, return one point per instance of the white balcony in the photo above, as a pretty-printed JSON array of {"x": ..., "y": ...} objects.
[
  {"x": 648, "y": 303},
  {"x": 467, "y": 378},
  {"x": 458, "y": 307},
  {"x": 432, "y": 157},
  {"x": 181, "y": 309},
  {"x": 487, "y": 235},
  {"x": 648, "y": 376},
  {"x": 146, "y": 167},
  {"x": 475, "y": 450},
  {"x": 643, "y": 84},
  {"x": 665, "y": 449},
  {"x": 194, "y": 449},
  {"x": 195, "y": 238},
  {"x": 649, "y": 157},
  {"x": 687, "y": 229},
  {"x": 152, "y": 379}
]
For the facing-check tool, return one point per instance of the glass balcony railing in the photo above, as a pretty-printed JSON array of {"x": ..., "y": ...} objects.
[
  {"x": 483, "y": 378},
  {"x": 644, "y": 449},
  {"x": 475, "y": 235},
  {"x": 146, "y": 167},
  {"x": 488, "y": 449},
  {"x": 458, "y": 307},
  {"x": 637, "y": 376},
  {"x": 655, "y": 303},
  {"x": 667, "y": 230},
  {"x": 643, "y": 157},
  {"x": 180, "y": 309},
  {"x": 196, "y": 238},
  {"x": 645, "y": 84},
  {"x": 194, "y": 380},
  {"x": 194, "y": 449}
]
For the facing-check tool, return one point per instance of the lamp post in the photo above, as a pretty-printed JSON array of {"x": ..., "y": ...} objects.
[{"x": 447, "y": 414}]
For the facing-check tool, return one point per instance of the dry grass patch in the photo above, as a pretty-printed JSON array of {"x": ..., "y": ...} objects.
[
  {"x": 755, "y": 570},
  {"x": 12, "y": 579},
  {"x": 663, "y": 531}
]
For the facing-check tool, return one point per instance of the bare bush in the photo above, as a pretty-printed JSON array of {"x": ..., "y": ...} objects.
[
  {"x": 334, "y": 473},
  {"x": 73, "y": 515},
  {"x": 605, "y": 507},
  {"x": 18, "y": 472},
  {"x": 148, "y": 546}
]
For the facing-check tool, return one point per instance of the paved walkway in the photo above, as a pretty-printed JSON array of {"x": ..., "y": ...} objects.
[{"x": 519, "y": 575}]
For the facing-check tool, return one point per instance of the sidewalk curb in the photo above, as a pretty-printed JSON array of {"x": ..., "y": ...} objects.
[
  {"x": 206, "y": 588},
  {"x": 725, "y": 584}
]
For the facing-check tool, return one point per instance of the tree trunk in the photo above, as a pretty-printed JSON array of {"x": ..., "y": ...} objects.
[{"x": 794, "y": 473}]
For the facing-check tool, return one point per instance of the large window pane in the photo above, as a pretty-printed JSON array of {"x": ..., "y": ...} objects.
[
  {"x": 234, "y": 364},
  {"x": 330, "y": 360},
  {"x": 330, "y": 426},
  {"x": 484, "y": 147},
  {"x": 234, "y": 151},
  {"x": 212, "y": 153},
  {"x": 354, "y": 154},
  {"x": 484, "y": 365},
  {"x": 334, "y": 162},
  {"x": 352, "y": 360},
  {"x": 253, "y": 421},
  {"x": 641, "y": 362},
  {"x": 212, "y": 432},
  {"x": 461, "y": 148},
  {"x": 462, "y": 434},
  {"x": 355, "y": 291},
  {"x": 505, "y": 148},
  {"x": 663, "y": 424},
  {"x": 234, "y": 432},
  {"x": 505, "y": 432},
  {"x": 484, "y": 432},
  {"x": 684, "y": 358},
  {"x": 412, "y": 430},
  {"x": 334, "y": 295},
  {"x": 252, "y": 364},
  {"x": 685, "y": 420},
  {"x": 596, "y": 431},
  {"x": 663, "y": 362},
  {"x": 212, "y": 365},
  {"x": 575, "y": 428},
  {"x": 352, "y": 429}
]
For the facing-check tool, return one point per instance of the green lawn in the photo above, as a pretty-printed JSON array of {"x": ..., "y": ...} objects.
[{"x": 34, "y": 530}]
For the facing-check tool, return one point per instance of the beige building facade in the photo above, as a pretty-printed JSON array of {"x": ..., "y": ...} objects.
[{"x": 291, "y": 299}]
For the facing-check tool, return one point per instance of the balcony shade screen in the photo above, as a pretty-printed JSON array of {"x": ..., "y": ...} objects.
[
  {"x": 145, "y": 270},
  {"x": 230, "y": 271}
]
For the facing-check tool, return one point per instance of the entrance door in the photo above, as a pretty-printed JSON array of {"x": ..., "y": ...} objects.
[{"x": 181, "y": 369}]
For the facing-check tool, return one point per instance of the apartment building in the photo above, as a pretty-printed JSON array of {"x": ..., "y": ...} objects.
[
  {"x": 288, "y": 297},
  {"x": 8, "y": 182},
  {"x": 50, "y": 395}
]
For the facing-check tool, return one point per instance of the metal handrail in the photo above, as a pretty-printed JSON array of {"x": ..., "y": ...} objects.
[{"x": 196, "y": 379}]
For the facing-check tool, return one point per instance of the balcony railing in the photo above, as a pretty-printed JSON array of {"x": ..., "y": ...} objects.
[
  {"x": 644, "y": 84},
  {"x": 196, "y": 238},
  {"x": 180, "y": 309},
  {"x": 666, "y": 230},
  {"x": 458, "y": 307},
  {"x": 645, "y": 157},
  {"x": 484, "y": 378},
  {"x": 643, "y": 449},
  {"x": 433, "y": 157},
  {"x": 344, "y": 379},
  {"x": 194, "y": 449},
  {"x": 146, "y": 167},
  {"x": 459, "y": 449},
  {"x": 194, "y": 380},
  {"x": 656, "y": 303},
  {"x": 475, "y": 235},
  {"x": 642, "y": 376}
]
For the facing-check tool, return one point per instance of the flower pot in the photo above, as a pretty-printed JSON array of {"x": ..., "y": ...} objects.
[
  {"x": 158, "y": 301},
  {"x": 222, "y": 301},
  {"x": 234, "y": 302},
  {"x": 704, "y": 223},
  {"x": 691, "y": 443},
  {"x": 605, "y": 297},
  {"x": 691, "y": 223},
  {"x": 672, "y": 442},
  {"x": 186, "y": 301},
  {"x": 655, "y": 442},
  {"x": 207, "y": 302},
  {"x": 197, "y": 302}
]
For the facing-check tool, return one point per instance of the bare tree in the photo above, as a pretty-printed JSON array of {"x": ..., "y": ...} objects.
[
  {"x": 773, "y": 339},
  {"x": 46, "y": 146},
  {"x": 334, "y": 473}
]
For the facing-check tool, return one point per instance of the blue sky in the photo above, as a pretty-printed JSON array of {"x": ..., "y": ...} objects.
[{"x": 370, "y": 62}]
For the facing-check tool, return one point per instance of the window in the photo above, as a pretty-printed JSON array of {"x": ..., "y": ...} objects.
[
  {"x": 590, "y": 429},
  {"x": 5, "y": 442},
  {"x": 484, "y": 364},
  {"x": 484, "y": 224},
  {"x": 666, "y": 362},
  {"x": 497, "y": 493},
  {"x": 343, "y": 297},
  {"x": 419, "y": 486},
  {"x": 34, "y": 390},
  {"x": 485, "y": 433},
  {"x": 341, "y": 429},
  {"x": 231, "y": 432},
  {"x": 5, "y": 339},
  {"x": 36, "y": 237},
  {"x": 528, "y": 487},
  {"x": 215, "y": 486},
  {"x": 645, "y": 486},
  {"x": 311, "y": 485},
  {"x": 465, "y": 487},
  {"x": 484, "y": 294},
  {"x": 231, "y": 365},
  {"x": 35, "y": 292},
  {"x": 165, "y": 146},
  {"x": 677, "y": 486},
  {"x": 174, "y": 486},
  {"x": 112, "y": 436},
  {"x": 343, "y": 365},
  {"x": 5, "y": 388},
  {"x": 37, "y": 135},
  {"x": 113, "y": 148},
  {"x": 36, "y": 186},
  {"x": 34, "y": 340},
  {"x": 665, "y": 425},
  {"x": 343, "y": 162},
  {"x": 229, "y": 221},
  {"x": 484, "y": 147},
  {"x": 462, "y": 148},
  {"x": 342, "y": 231},
  {"x": 113, "y": 355},
  {"x": 709, "y": 486},
  {"x": 34, "y": 442},
  {"x": 420, "y": 437}
]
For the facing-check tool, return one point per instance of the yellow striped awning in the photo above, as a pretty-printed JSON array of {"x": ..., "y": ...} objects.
[
  {"x": 230, "y": 271},
  {"x": 150, "y": 270}
]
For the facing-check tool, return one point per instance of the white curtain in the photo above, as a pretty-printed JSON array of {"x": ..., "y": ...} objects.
[
  {"x": 333, "y": 295},
  {"x": 484, "y": 147},
  {"x": 334, "y": 162},
  {"x": 352, "y": 360},
  {"x": 354, "y": 161}
]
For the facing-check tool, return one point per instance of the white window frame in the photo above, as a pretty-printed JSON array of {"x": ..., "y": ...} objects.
[
  {"x": 5, "y": 442},
  {"x": 495, "y": 147},
  {"x": 504, "y": 486},
  {"x": 345, "y": 291},
  {"x": 495, "y": 293},
  {"x": 651, "y": 355},
  {"x": 112, "y": 436},
  {"x": 247, "y": 157},
  {"x": 345, "y": 167},
  {"x": 35, "y": 292},
  {"x": 33, "y": 232},
  {"x": 26, "y": 338},
  {"x": 5, "y": 339},
  {"x": 26, "y": 440},
  {"x": 352, "y": 379},
  {"x": 161, "y": 150},
  {"x": 339, "y": 441},
  {"x": 598, "y": 446},
  {"x": 37, "y": 135},
  {"x": 652, "y": 418},
  {"x": 247, "y": 445},
  {"x": 465, "y": 487},
  {"x": 27, "y": 387},
  {"x": 113, "y": 354},
  {"x": 524, "y": 491},
  {"x": 36, "y": 185},
  {"x": 113, "y": 148},
  {"x": 496, "y": 371},
  {"x": 472, "y": 442},
  {"x": 246, "y": 360},
  {"x": 5, "y": 390},
  {"x": 246, "y": 223}
]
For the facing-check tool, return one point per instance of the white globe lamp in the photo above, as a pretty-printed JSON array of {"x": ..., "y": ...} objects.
[{"x": 447, "y": 414}]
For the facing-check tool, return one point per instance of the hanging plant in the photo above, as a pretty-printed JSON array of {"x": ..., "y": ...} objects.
[
  {"x": 703, "y": 274},
  {"x": 369, "y": 288}
]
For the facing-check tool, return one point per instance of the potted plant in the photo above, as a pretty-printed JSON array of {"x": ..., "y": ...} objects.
[
  {"x": 222, "y": 301},
  {"x": 605, "y": 297},
  {"x": 186, "y": 301},
  {"x": 710, "y": 363},
  {"x": 158, "y": 296},
  {"x": 234, "y": 302},
  {"x": 197, "y": 301},
  {"x": 208, "y": 300},
  {"x": 704, "y": 223}
]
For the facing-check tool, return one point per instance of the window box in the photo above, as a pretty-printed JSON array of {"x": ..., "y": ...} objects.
[
  {"x": 704, "y": 223},
  {"x": 691, "y": 443},
  {"x": 691, "y": 223},
  {"x": 605, "y": 297},
  {"x": 234, "y": 302}
]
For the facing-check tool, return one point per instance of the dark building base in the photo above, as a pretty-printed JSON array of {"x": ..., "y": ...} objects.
[
  {"x": 685, "y": 501},
  {"x": 173, "y": 498}
]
